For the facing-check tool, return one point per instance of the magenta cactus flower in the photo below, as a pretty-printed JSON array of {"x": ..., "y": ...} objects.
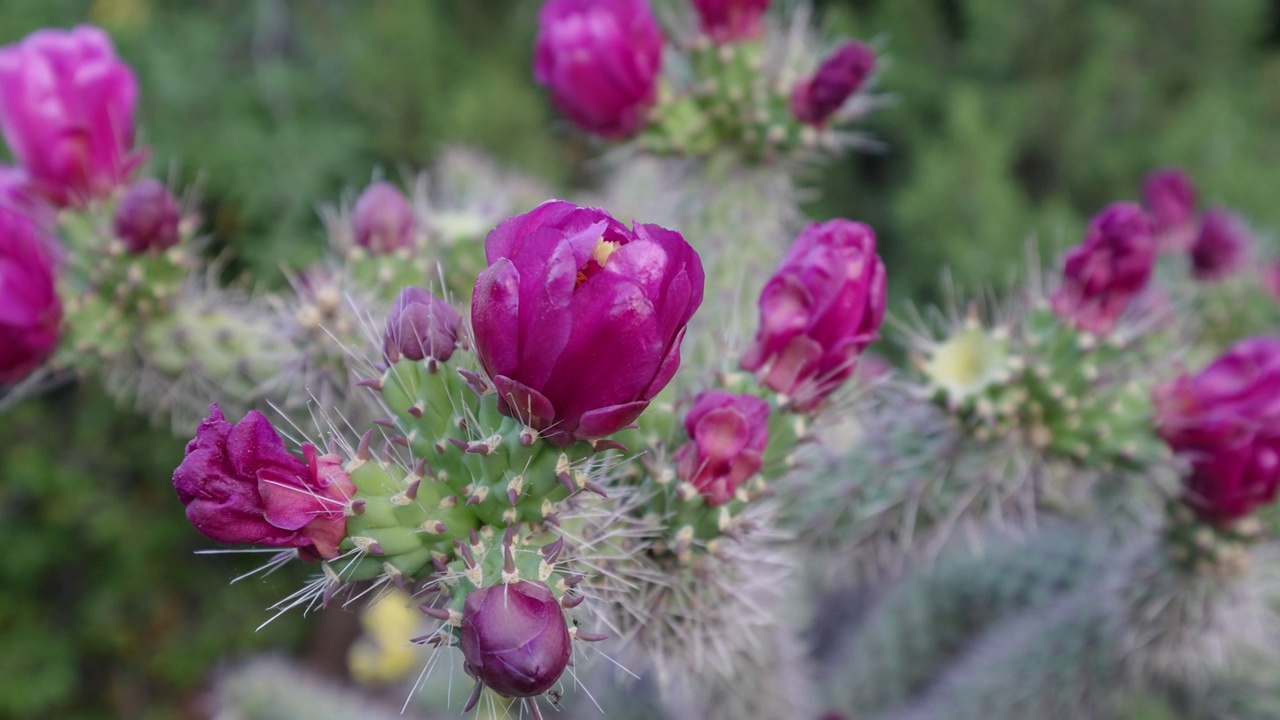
[
  {"x": 30, "y": 309},
  {"x": 240, "y": 485},
  {"x": 148, "y": 217},
  {"x": 815, "y": 99},
  {"x": 819, "y": 311},
  {"x": 728, "y": 435},
  {"x": 1226, "y": 421},
  {"x": 1103, "y": 273},
  {"x": 600, "y": 59},
  {"x": 578, "y": 320},
  {"x": 66, "y": 110},
  {"x": 419, "y": 326},
  {"x": 1221, "y": 247},
  {"x": 514, "y": 638},
  {"x": 1170, "y": 198},
  {"x": 383, "y": 219},
  {"x": 727, "y": 21}
]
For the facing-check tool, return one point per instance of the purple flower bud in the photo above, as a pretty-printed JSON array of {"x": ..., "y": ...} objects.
[
  {"x": 66, "y": 110},
  {"x": 1222, "y": 246},
  {"x": 421, "y": 325},
  {"x": 819, "y": 311},
  {"x": 728, "y": 434},
  {"x": 578, "y": 320},
  {"x": 241, "y": 486},
  {"x": 383, "y": 219},
  {"x": 147, "y": 217},
  {"x": 1170, "y": 198},
  {"x": 1103, "y": 273},
  {"x": 30, "y": 310},
  {"x": 729, "y": 21},
  {"x": 1226, "y": 421},
  {"x": 815, "y": 100},
  {"x": 514, "y": 638},
  {"x": 600, "y": 59}
]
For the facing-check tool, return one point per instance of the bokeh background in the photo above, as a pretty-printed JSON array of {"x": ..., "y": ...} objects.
[{"x": 1012, "y": 119}]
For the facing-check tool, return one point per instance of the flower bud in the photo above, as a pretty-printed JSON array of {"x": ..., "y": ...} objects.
[
  {"x": 1170, "y": 198},
  {"x": 578, "y": 320},
  {"x": 727, "y": 21},
  {"x": 383, "y": 219},
  {"x": 421, "y": 325},
  {"x": 728, "y": 434},
  {"x": 1226, "y": 421},
  {"x": 1103, "y": 273},
  {"x": 147, "y": 217},
  {"x": 514, "y": 638},
  {"x": 1221, "y": 247},
  {"x": 66, "y": 110},
  {"x": 240, "y": 485},
  {"x": 30, "y": 309},
  {"x": 600, "y": 59},
  {"x": 818, "y": 313},
  {"x": 816, "y": 99}
]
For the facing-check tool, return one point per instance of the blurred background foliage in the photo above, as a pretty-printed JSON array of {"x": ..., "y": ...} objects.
[{"x": 1011, "y": 119}]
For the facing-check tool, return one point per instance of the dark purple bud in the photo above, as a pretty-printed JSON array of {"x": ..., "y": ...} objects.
[
  {"x": 30, "y": 309},
  {"x": 1221, "y": 247},
  {"x": 66, "y": 111},
  {"x": 383, "y": 219},
  {"x": 727, "y": 21},
  {"x": 815, "y": 99},
  {"x": 1226, "y": 421},
  {"x": 1103, "y": 273},
  {"x": 600, "y": 59},
  {"x": 578, "y": 319},
  {"x": 240, "y": 485},
  {"x": 514, "y": 638},
  {"x": 728, "y": 434},
  {"x": 818, "y": 313},
  {"x": 420, "y": 326},
  {"x": 147, "y": 217},
  {"x": 1170, "y": 199}
]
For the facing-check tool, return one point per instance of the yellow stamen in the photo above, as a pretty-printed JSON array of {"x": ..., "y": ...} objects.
[{"x": 603, "y": 249}]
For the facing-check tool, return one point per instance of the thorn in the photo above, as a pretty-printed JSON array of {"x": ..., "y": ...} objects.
[
  {"x": 401, "y": 441},
  {"x": 477, "y": 383},
  {"x": 465, "y": 551},
  {"x": 593, "y": 487},
  {"x": 566, "y": 481},
  {"x": 461, "y": 444},
  {"x": 573, "y": 580},
  {"x": 367, "y": 545},
  {"x": 356, "y": 507},
  {"x": 385, "y": 422},
  {"x": 551, "y": 518},
  {"x": 375, "y": 383},
  {"x": 528, "y": 436},
  {"x": 551, "y": 551},
  {"x": 475, "y": 693},
  {"x": 416, "y": 409},
  {"x": 569, "y": 603},
  {"x": 438, "y": 562},
  {"x": 580, "y": 634},
  {"x": 512, "y": 497},
  {"x": 475, "y": 499}
]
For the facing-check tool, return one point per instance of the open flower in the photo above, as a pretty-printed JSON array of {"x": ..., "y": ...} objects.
[
  {"x": 66, "y": 110},
  {"x": 1226, "y": 421},
  {"x": 728, "y": 434},
  {"x": 819, "y": 311},
  {"x": 728, "y": 21},
  {"x": 240, "y": 485},
  {"x": 815, "y": 99},
  {"x": 514, "y": 638},
  {"x": 600, "y": 60},
  {"x": 30, "y": 310},
  {"x": 578, "y": 320},
  {"x": 1103, "y": 273}
]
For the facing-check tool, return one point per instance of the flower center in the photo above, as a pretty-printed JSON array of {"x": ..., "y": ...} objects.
[{"x": 599, "y": 255}]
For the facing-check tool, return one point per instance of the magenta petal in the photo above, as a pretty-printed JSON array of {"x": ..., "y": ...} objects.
[
  {"x": 524, "y": 403},
  {"x": 286, "y": 502},
  {"x": 495, "y": 313},
  {"x": 607, "y": 421}
]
